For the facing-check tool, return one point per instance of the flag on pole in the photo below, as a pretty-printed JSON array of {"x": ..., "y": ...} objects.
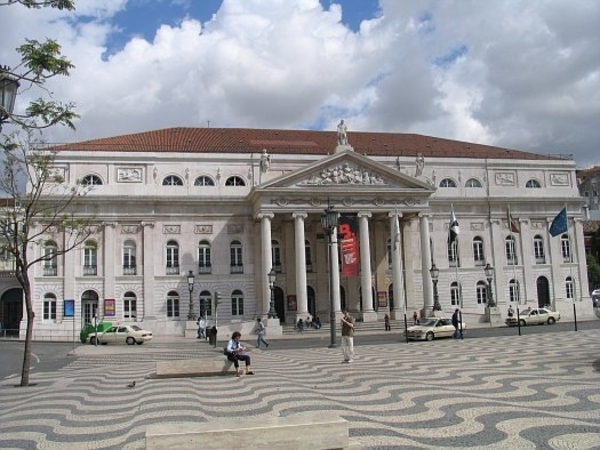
[
  {"x": 513, "y": 225},
  {"x": 396, "y": 233},
  {"x": 559, "y": 224},
  {"x": 453, "y": 229}
]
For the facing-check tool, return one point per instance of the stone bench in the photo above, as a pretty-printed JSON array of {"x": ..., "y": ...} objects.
[
  {"x": 272, "y": 433},
  {"x": 193, "y": 368}
]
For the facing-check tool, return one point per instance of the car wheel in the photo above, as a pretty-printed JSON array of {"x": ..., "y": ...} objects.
[
  {"x": 130, "y": 340},
  {"x": 139, "y": 342},
  {"x": 429, "y": 336},
  {"x": 522, "y": 323},
  {"x": 551, "y": 320},
  {"x": 93, "y": 340}
]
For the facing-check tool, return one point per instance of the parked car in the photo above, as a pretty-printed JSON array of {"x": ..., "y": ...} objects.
[
  {"x": 534, "y": 316},
  {"x": 90, "y": 329},
  {"x": 596, "y": 298},
  {"x": 431, "y": 329},
  {"x": 122, "y": 334}
]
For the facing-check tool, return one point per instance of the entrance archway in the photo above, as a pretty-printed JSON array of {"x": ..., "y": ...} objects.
[
  {"x": 89, "y": 306},
  {"x": 543, "y": 292},
  {"x": 279, "y": 304},
  {"x": 11, "y": 312}
]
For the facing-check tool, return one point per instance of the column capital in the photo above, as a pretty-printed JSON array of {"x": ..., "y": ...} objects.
[
  {"x": 425, "y": 214},
  {"x": 147, "y": 224},
  {"x": 265, "y": 215},
  {"x": 300, "y": 214},
  {"x": 395, "y": 214},
  {"x": 364, "y": 214}
]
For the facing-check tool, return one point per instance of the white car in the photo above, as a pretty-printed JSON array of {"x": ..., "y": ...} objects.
[
  {"x": 121, "y": 334},
  {"x": 534, "y": 316},
  {"x": 431, "y": 329}
]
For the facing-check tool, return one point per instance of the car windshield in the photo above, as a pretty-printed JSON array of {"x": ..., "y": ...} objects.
[
  {"x": 135, "y": 328},
  {"x": 429, "y": 323}
]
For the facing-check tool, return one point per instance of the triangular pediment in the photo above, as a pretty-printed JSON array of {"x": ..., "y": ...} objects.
[{"x": 348, "y": 170}]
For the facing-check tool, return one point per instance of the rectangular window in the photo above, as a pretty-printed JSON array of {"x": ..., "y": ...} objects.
[
  {"x": 538, "y": 250},
  {"x": 454, "y": 298},
  {"x": 172, "y": 307},
  {"x": 237, "y": 306},
  {"x": 453, "y": 254},
  {"x": 129, "y": 308},
  {"x": 90, "y": 261},
  {"x": 478, "y": 256},
  {"x": 206, "y": 306},
  {"x": 49, "y": 309},
  {"x": 481, "y": 295}
]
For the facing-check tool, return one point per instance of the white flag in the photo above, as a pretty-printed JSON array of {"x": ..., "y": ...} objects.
[{"x": 453, "y": 229}]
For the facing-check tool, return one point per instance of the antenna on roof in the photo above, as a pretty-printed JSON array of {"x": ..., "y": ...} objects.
[{"x": 208, "y": 124}]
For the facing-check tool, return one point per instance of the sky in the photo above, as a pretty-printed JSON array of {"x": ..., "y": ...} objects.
[{"x": 512, "y": 73}]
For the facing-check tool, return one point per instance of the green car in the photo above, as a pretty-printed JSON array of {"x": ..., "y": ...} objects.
[{"x": 89, "y": 329}]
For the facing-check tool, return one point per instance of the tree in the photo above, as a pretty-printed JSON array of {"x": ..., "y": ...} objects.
[
  {"x": 593, "y": 272},
  {"x": 45, "y": 210},
  {"x": 45, "y": 205}
]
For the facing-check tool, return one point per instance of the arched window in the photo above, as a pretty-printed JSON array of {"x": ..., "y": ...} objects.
[
  {"x": 447, "y": 183},
  {"x": 90, "y": 258},
  {"x": 538, "y": 250},
  {"x": 129, "y": 306},
  {"x": 49, "y": 307},
  {"x": 172, "y": 258},
  {"x": 455, "y": 294},
  {"x": 129, "y": 260},
  {"x": 565, "y": 247},
  {"x": 204, "y": 180},
  {"x": 570, "y": 288},
  {"x": 533, "y": 184},
  {"x": 204, "y": 264},
  {"x": 473, "y": 183},
  {"x": 235, "y": 256},
  {"x": 276, "y": 255},
  {"x": 308, "y": 256},
  {"x": 91, "y": 180},
  {"x": 205, "y": 303},
  {"x": 172, "y": 180},
  {"x": 173, "y": 304},
  {"x": 482, "y": 293},
  {"x": 237, "y": 303},
  {"x": 510, "y": 250},
  {"x": 453, "y": 254},
  {"x": 478, "y": 254},
  {"x": 514, "y": 293},
  {"x": 235, "y": 181},
  {"x": 50, "y": 259}
]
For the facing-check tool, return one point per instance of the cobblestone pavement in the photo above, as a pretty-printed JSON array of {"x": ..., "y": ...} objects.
[{"x": 540, "y": 391}]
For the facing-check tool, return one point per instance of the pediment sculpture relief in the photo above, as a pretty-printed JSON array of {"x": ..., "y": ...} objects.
[{"x": 344, "y": 174}]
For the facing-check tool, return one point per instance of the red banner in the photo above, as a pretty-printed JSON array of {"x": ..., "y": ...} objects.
[{"x": 349, "y": 246}]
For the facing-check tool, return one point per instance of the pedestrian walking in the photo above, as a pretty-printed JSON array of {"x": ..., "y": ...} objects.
[
  {"x": 511, "y": 311},
  {"x": 347, "y": 337},
  {"x": 386, "y": 322},
  {"x": 457, "y": 324},
  {"x": 261, "y": 330},
  {"x": 415, "y": 318},
  {"x": 201, "y": 326}
]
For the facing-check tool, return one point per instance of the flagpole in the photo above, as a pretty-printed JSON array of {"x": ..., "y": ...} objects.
[
  {"x": 573, "y": 284},
  {"x": 517, "y": 284},
  {"x": 454, "y": 222}
]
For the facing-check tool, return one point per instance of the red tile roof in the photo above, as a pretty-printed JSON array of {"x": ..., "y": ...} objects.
[{"x": 248, "y": 140}]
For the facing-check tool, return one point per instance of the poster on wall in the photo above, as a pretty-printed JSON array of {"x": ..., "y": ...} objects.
[
  {"x": 109, "y": 307},
  {"x": 291, "y": 303},
  {"x": 382, "y": 299},
  {"x": 69, "y": 308},
  {"x": 349, "y": 246}
]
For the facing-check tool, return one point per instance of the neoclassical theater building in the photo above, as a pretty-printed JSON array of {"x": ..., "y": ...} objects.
[{"x": 228, "y": 205}]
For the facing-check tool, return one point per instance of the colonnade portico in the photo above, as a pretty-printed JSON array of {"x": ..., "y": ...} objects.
[{"x": 367, "y": 310}]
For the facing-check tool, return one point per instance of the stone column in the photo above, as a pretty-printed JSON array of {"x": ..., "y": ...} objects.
[
  {"x": 426, "y": 264},
  {"x": 301, "y": 293},
  {"x": 396, "y": 241},
  {"x": 267, "y": 262},
  {"x": 334, "y": 266},
  {"x": 110, "y": 261},
  {"x": 147, "y": 268},
  {"x": 581, "y": 288},
  {"x": 366, "y": 282}
]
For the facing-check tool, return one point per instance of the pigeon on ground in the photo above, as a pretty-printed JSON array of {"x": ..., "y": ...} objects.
[{"x": 131, "y": 385}]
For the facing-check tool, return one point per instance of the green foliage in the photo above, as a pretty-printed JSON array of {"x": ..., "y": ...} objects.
[{"x": 593, "y": 272}]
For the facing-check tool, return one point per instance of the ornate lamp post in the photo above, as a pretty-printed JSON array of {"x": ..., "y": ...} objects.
[
  {"x": 190, "y": 281},
  {"x": 272, "y": 275},
  {"x": 435, "y": 277},
  {"x": 329, "y": 222},
  {"x": 8, "y": 93},
  {"x": 489, "y": 274}
]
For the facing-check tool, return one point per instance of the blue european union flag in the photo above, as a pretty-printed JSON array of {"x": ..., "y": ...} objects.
[{"x": 559, "y": 224}]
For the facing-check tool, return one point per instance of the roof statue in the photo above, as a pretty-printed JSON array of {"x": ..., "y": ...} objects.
[{"x": 342, "y": 137}]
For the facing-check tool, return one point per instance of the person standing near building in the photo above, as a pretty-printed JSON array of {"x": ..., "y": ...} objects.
[
  {"x": 511, "y": 311},
  {"x": 347, "y": 336},
  {"x": 261, "y": 330},
  {"x": 201, "y": 326},
  {"x": 456, "y": 323},
  {"x": 386, "y": 322}
]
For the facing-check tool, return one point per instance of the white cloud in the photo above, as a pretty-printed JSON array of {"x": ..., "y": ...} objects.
[{"x": 527, "y": 77}]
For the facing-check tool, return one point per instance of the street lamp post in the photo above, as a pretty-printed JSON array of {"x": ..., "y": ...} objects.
[
  {"x": 272, "y": 277},
  {"x": 489, "y": 274},
  {"x": 190, "y": 281},
  {"x": 329, "y": 222},
  {"x": 8, "y": 93},
  {"x": 435, "y": 277}
]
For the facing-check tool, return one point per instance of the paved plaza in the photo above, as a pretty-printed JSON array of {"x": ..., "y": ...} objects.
[{"x": 531, "y": 392}]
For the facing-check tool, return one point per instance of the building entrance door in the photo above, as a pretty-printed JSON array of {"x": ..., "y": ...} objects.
[
  {"x": 543, "y": 292},
  {"x": 279, "y": 306},
  {"x": 89, "y": 307},
  {"x": 11, "y": 312}
]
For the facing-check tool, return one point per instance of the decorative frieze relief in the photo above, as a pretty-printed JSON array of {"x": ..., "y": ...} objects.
[
  {"x": 505, "y": 178},
  {"x": 57, "y": 174},
  {"x": 559, "y": 179},
  {"x": 344, "y": 174},
  {"x": 203, "y": 229},
  {"x": 235, "y": 228},
  {"x": 477, "y": 226},
  {"x": 171, "y": 229},
  {"x": 377, "y": 201},
  {"x": 538, "y": 224},
  {"x": 129, "y": 229},
  {"x": 129, "y": 175}
]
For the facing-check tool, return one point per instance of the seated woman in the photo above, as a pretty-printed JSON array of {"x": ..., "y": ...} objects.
[{"x": 235, "y": 353}]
